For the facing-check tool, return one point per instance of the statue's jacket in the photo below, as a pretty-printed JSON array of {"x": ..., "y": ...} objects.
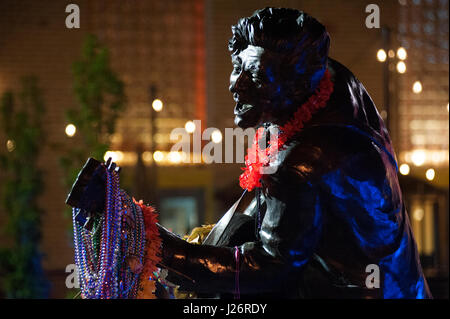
[{"x": 334, "y": 223}]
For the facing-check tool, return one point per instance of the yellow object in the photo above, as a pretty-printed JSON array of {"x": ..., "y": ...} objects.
[{"x": 198, "y": 234}]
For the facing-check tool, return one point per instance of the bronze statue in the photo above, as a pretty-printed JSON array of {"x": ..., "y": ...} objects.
[{"x": 334, "y": 205}]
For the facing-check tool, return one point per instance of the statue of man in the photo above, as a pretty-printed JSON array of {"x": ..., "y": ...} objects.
[
  {"x": 333, "y": 213},
  {"x": 329, "y": 221}
]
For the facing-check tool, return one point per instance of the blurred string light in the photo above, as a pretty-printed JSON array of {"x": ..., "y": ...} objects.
[
  {"x": 174, "y": 157},
  {"x": 418, "y": 214},
  {"x": 418, "y": 157},
  {"x": 401, "y": 67},
  {"x": 146, "y": 156},
  {"x": 417, "y": 87},
  {"x": 189, "y": 127},
  {"x": 391, "y": 54},
  {"x": 10, "y": 145},
  {"x": 158, "y": 156},
  {"x": 116, "y": 156},
  {"x": 216, "y": 136},
  {"x": 404, "y": 169},
  {"x": 157, "y": 105},
  {"x": 165, "y": 158},
  {"x": 381, "y": 55},
  {"x": 71, "y": 130},
  {"x": 401, "y": 53},
  {"x": 447, "y": 107},
  {"x": 430, "y": 174}
]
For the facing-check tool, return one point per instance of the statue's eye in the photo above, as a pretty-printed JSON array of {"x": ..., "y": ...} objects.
[
  {"x": 255, "y": 72},
  {"x": 237, "y": 68},
  {"x": 254, "y": 69}
]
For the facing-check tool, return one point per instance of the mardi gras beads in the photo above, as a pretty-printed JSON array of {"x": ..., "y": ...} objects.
[{"x": 110, "y": 262}]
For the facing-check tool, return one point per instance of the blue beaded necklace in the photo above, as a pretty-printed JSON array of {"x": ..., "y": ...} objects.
[{"x": 110, "y": 268}]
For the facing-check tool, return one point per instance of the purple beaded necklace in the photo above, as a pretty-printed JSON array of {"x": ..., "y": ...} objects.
[{"x": 112, "y": 269}]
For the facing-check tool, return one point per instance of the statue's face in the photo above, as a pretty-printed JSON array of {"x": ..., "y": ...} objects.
[{"x": 253, "y": 86}]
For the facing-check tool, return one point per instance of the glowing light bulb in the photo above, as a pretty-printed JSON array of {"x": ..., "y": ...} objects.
[
  {"x": 381, "y": 55},
  {"x": 189, "y": 126},
  {"x": 119, "y": 155},
  {"x": 175, "y": 157},
  {"x": 158, "y": 156},
  {"x": 10, "y": 145},
  {"x": 418, "y": 157},
  {"x": 71, "y": 130},
  {"x": 216, "y": 136},
  {"x": 430, "y": 174},
  {"x": 114, "y": 156},
  {"x": 401, "y": 67},
  {"x": 417, "y": 87},
  {"x": 404, "y": 169},
  {"x": 157, "y": 105},
  {"x": 147, "y": 156},
  {"x": 418, "y": 214},
  {"x": 401, "y": 53}
]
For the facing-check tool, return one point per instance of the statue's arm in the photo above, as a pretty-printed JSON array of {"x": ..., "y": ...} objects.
[{"x": 288, "y": 236}]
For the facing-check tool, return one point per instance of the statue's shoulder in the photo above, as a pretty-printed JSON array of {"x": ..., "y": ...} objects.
[{"x": 320, "y": 149}]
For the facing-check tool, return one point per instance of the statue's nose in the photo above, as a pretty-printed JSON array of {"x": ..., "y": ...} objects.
[
  {"x": 231, "y": 87},
  {"x": 238, "y": 84}
]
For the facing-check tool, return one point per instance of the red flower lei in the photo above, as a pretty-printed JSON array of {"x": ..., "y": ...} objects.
[{"x": 251, "y": 177}]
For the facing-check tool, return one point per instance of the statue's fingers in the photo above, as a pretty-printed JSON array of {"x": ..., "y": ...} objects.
[
  {"x": 108, "y": 162},
  {"x": 112, "y": 166}
]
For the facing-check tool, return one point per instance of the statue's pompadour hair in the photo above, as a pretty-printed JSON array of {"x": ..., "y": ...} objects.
[{"x": 302, "y": 42}]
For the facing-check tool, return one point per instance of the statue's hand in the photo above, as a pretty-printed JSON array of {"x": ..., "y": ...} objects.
[
  {"x": 173, "y": 254},
  {"x": 88, "y": 191},
  {"x": 172, "y": 246}
]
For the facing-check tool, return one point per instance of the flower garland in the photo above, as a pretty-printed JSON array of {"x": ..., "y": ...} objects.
[{"x": 256, "y": 158}]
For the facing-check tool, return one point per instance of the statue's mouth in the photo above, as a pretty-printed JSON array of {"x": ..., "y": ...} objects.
[{"x": 242, "y": 108}]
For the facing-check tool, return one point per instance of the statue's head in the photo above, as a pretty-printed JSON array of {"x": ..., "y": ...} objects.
[{"x": 279, "y": 56}]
